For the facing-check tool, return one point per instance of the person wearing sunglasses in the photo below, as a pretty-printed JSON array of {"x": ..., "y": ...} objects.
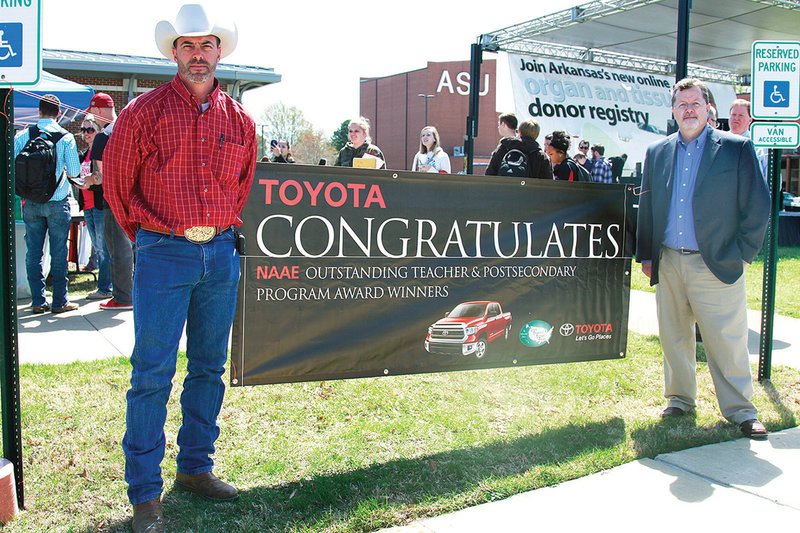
[
  {"x": 90, "y": 201},
  {"x": 585, "y": 161}
]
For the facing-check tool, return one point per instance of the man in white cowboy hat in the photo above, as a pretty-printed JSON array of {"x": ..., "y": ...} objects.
[{"x": 178, "y": 171}]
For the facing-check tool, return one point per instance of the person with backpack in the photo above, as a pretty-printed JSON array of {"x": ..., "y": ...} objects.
[
  {"x": 564, "y": 167},
  {"x": 521, "y": 157},
  {"x": 44, "y": 155}
]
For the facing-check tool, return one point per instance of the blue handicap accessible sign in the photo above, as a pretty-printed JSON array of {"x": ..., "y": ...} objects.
[
  {"x": 11, "y": 44},
  {"x": 776, "y": 93}
]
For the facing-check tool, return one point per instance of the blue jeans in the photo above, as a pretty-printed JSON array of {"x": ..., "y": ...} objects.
[
  {"x": 177, "y": 282},
  {"x": 120, "y": 255},
  {"x": 94, "y": 223},
  {"x": 53, "y": 219}
]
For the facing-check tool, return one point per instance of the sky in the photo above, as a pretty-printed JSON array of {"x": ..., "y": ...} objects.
[{"x": 320, "y": 48}]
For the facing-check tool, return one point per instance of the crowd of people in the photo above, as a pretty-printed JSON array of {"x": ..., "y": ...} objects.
[
  {"x": 183, "y": 214},
  {"x": 519, "y": 146}
]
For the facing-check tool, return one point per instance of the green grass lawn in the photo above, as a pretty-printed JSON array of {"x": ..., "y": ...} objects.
[
  {"x": 363, "y": 454},
  {"x": 787, "y": 292}
]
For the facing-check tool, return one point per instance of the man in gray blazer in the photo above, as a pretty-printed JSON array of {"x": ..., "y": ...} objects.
[{"x": 703, "y": 212}]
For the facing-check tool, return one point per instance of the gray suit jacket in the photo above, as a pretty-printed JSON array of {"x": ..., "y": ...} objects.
[{"x": 731, "y": 203}]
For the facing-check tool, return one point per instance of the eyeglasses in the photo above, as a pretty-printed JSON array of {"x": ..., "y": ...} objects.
[
  {"x": 583, "y": 146},
  {"x": 88, "y": 130},
  {"x": 694, "y": 106}
]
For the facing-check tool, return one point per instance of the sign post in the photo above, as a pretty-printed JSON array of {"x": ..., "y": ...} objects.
[
  {"x": 775, "y": 96},
  {"x": 20, "y": 65}
]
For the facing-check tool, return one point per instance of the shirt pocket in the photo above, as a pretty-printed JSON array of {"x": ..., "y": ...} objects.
[{"x": 228, "y": 163}]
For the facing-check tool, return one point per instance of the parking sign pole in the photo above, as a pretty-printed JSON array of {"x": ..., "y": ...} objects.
[
  {"x": 775, "y": 72},
  {"x": 9, "y": 356},
  {"x": 770, "y": 269}
]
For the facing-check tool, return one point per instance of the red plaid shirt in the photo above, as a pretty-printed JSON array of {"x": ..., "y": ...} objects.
[{"x": 168, "y": 164}]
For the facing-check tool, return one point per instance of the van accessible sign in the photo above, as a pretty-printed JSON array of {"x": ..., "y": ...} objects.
[
  {"x": 20, "y": 42},
  {"x": 356, "y": 273},
  {"x": 776, "y": 79},
  {"x": 775, "y": 134},
  {"x": 623, "y": 110}
]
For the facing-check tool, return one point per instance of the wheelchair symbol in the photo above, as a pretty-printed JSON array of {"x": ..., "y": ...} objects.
[
  {"x": 6, "y": 47},
  {"x": 776, "y": 93},
  {"x": 776, "y": 97}
]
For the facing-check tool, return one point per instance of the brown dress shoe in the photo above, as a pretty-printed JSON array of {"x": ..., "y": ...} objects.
[
  {"x": 672, "y": 411},
  {"x": 148, "y": 517},
  {"x": 207, "y": 485},
  {"x": 753, "y": 429}
]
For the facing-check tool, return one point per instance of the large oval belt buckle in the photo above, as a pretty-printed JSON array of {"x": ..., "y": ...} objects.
[{"x": 200, "y": 234}]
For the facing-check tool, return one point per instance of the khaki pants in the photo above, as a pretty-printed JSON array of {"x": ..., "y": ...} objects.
[{"x": 687, "y": 292}]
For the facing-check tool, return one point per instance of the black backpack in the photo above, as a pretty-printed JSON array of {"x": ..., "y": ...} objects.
[
  {"x": 579, "y": 172},
  {"x": 515, "y": 164},
  {"x": 35, "y": 166}
]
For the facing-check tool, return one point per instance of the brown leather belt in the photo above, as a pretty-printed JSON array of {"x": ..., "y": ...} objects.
[{"x": 195, "y": 234}]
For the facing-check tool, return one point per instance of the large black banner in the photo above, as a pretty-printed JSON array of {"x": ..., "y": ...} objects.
[{"x": 354, "y": 273}]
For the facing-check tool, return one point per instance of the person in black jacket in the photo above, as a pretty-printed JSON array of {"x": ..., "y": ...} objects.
[{"x": 538, "y": 163}]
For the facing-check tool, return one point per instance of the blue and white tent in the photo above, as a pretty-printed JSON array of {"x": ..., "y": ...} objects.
[{"x": 74, "y": 98}]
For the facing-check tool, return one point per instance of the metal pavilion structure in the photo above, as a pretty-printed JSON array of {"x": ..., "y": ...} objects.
[{"x": 708, "y": 39}]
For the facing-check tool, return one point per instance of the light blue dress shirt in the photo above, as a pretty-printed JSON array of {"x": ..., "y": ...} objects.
[
  {"x": 680, "y": 231},
  {"x": 66, "y": 155}
]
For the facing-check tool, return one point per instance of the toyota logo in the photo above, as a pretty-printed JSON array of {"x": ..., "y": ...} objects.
[
  {"x": 566, "y": 330},
  {"x": 445, "y": 333}
]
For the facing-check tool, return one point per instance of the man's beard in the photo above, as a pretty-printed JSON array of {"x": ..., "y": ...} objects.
[{"x": 196, "y": 77}]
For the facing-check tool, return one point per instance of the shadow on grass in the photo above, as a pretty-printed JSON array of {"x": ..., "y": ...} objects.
[
  {"x": 367, "y": 498},
  {"x": 787, "y": 416}
]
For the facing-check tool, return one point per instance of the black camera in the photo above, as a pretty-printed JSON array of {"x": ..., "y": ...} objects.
[{"x": 273, "y": 143}]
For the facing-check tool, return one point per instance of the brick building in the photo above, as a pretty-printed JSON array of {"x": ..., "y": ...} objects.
[{"x": 396, "y": 106}]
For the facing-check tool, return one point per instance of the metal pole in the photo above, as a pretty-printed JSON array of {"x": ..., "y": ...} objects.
[
  {"x": 682, "y": 55},
  {"x": 263, "y": 142},
  {"x": 770, "y": 269},
  {"x": 476, "y": 57},
  {"x": 9, "y": 355},
  {"x": 682, "y": 52},
  {"x": 426, "y": 97}
]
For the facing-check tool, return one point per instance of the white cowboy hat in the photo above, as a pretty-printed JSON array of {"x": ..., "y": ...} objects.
[{"x": 193, "y": 21}]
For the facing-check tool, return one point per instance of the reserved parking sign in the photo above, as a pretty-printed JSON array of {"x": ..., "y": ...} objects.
[
  {"x": 20, "y": 43},
  {"x": 776, "y": 80}
]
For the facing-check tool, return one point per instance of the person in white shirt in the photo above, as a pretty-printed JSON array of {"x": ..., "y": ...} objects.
[{"x": 431, "y": 157}]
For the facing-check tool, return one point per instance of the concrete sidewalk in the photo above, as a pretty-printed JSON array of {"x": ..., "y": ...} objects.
[
  {"x": 737, "y": 486},
  {"x": 785, "y": 332},
  {"x": 86, "y": 334}
]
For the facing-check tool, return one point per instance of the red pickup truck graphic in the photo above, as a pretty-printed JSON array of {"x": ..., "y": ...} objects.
[{"x": 468, "y": 329}]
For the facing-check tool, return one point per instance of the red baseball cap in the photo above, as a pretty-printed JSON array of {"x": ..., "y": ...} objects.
[{"x": 101, "y": 100}]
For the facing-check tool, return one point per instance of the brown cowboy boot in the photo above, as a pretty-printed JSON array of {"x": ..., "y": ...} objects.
[
  {"x": 148, "y": 517},
  {"x": 206, "y": 485}
]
